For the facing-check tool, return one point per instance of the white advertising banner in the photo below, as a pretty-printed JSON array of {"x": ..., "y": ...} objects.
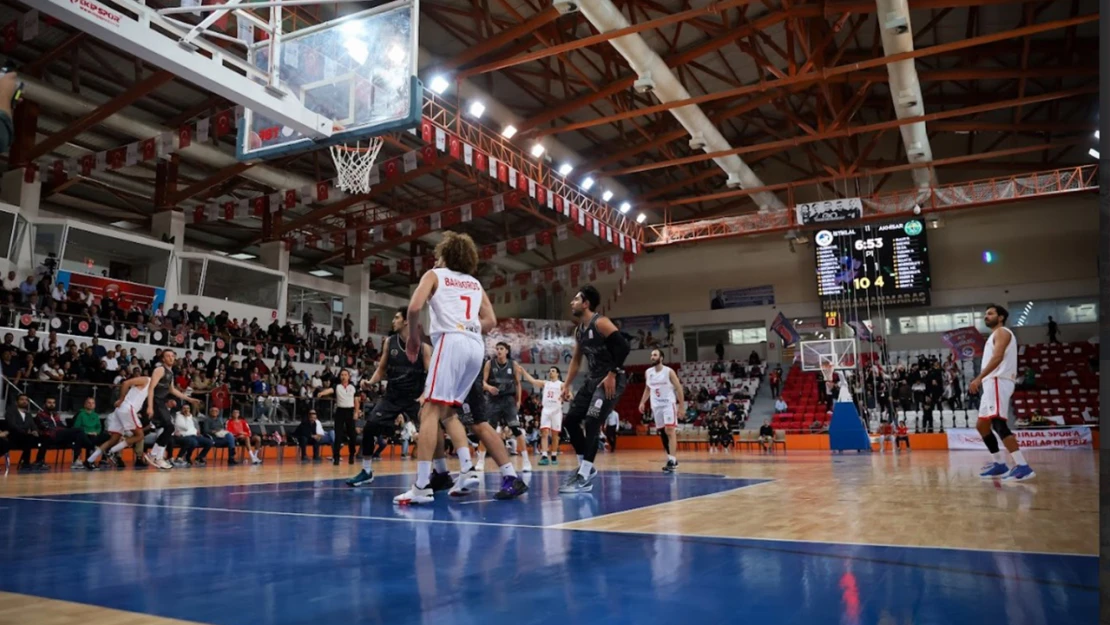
[{"x": 1055, "y": 438}]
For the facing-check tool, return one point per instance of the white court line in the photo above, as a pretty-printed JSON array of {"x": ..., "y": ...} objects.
[
  {"x": 560, "y": 527},
  {"x": 467, "y": 503}
]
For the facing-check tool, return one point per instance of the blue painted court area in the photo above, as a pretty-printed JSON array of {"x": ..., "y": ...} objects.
[{"x": 318, "y": 552}]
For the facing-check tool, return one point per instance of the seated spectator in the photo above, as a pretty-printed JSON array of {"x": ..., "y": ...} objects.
[
  {"x": 886, "y": 434},
  {"x": 188, "y": 439},
  {"x": 24, "y": 434},
  {"x": 1028, "y": 380},
  {"x": 902, "y": 436},
  {"x": 766, "y": 436},
  {"x": 239, "y": 428},
  {"x": 780, "y": 405},
  {"x": 309, "y": 432},
  {"x": 816, "y": 427},
  {"x": 88, "y": 421},
  {"x": 53, "y": 430},
  {"x": 215, "y": 428}
]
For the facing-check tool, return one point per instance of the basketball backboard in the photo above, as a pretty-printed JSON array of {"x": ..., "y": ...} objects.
[
  {"x": 358, "y": 70},
  {"x": 840, "y": 353}
]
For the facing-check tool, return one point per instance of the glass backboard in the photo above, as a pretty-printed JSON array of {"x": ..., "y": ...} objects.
[{"x": 359, "y": 70}]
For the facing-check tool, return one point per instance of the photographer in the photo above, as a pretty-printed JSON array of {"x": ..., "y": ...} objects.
[{"x": 9, "y": 84}]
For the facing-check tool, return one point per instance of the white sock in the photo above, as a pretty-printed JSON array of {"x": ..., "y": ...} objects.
[
  {"x": 157, "y": 451},
  {"x": 367, "y": 464},
  {"x": 465, "y": 464},
  {"x": 544, "y": 454},
  {"x": 524, "y": 457},
  {"x": 998, "y": 457},
  {"x": 423, "y": 473},
  {"x": 580, "y": 457},
  {"x": 440, "y": 464},
  {"x": 1019, "y": 458},
  {"x": 507, "y": 470},
  {"x": 481, "y": 457},
  {"x": 671, "y": 458},
  {"x": 94, "y": 456},
  {"x": 584, "y": 468},
  {"x": 118, "y": 447}
]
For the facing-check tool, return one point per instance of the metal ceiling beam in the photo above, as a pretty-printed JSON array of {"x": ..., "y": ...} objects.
[
  {"x": 501, "y": 39},
  {"x": 856, "y": 130},
  {"x": 201, "y": 186},
  {"x": 817, "y": 76},
  {"x": 109, "y": 108}
]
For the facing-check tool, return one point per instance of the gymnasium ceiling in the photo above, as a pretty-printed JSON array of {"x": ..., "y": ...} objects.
[{"x": 1049, "y": 79}]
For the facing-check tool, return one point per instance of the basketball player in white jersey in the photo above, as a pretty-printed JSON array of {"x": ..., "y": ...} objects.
[
  {"x": 551, "y": 413},
  {"x": 667, "y": 402},
  {"x": 460, "y": 313},
  {"x": 123, "y": 425},
  {"x": 997, "y": 378}
]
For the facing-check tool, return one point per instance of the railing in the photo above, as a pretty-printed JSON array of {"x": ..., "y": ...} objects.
[{"x": 885, "y": 205}]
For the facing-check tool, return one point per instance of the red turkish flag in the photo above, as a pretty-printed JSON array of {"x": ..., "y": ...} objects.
[
  {"x": 429, "y": 260},
  {"x": 548, "y": 275},
  {"x": 229, "y": 211},
  {"x": 290, "y": 198},
  {"x": 11, "y": 35},
  {"x": 541, "y": 195},
  {"x": 603, "y": 264},
  {"x": 521, "y": 181},
  {"x": 29, "y": 173},
  {"x": 480, "y": 162},
  {"x": 185, "y": 137},
  {"x": 259, "y": 205},
  {"x": 502, "y": 172},
  {"x": 391, "y": 168},
  {"x": 224, "y": 123},
  {"x": 574, "y": 213},
  {"x": 428, "y": 153},
  {"x": 515, "y": 246},
  {"x": 544, "y": 237},
  {"x": 559, "y": 203},
  {"x": 378, "y": 267},
  {"x": 87, "y": 163},
  {"x": 589, "y": 223},
  {"x": 59, "y": 172},
  {"x": 487, "y": 252},
  {"x": 481, "y": 209},
  {"x": 198, "y": 214},
  {"x": 498, "y": 281},
  {"x": 116, "y": 158},
  {"x": 454, "y": 147},
  {"x": 148, "y": 149},
  {"x": 404, "y": 265},
  {"x": 451, "y": 217},
  {"x": 427, "y": 134},
  {"x": 321, "y": 191}
]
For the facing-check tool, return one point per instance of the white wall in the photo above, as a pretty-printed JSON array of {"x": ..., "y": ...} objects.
[{"x": 1043, "y": 249}]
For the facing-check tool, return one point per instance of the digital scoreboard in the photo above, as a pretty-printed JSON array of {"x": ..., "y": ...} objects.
[{"x": 872, "y": 265}]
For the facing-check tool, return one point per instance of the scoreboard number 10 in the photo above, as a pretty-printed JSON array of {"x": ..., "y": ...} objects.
[{"x": 865, "y": 283}]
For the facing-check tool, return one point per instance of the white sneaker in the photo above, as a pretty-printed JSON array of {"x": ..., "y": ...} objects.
[
  {"x": 480, "y": 463},
  {"x": 526, "y": 467},
  {"x": 415, "y": 495},
  {"x": 162, "y": 464},
  {"x": 77, "y": 464},
  {"x": 465, "y": 484},
  {"x": 256, "y": 460},
  {"x": 178, "y": 463}
]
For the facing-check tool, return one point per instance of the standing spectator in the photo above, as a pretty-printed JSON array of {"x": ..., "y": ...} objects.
[
  {"x": 775, "y": 380},
  {"x": 720, "y": 350},
  {"x": 27, "y": 291},
  {"x": 1053, "y": 331},
  {"x": 766, "y": 436},
  {"x": 24, "y": 434},
  {"x": 53, "y": 429},
  {"x": 611, "y": 426}
]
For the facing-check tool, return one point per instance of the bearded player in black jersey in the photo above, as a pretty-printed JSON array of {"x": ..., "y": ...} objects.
[
  {"x": 605, "y": 348},
  {"x": 403, "y": 396}
]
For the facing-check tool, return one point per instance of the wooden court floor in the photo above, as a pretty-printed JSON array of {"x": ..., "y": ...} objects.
[{"x": 925, "y": 499}]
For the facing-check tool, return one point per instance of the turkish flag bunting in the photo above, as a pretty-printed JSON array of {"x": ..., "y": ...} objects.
[
  {"x": 259, "y": 205},
  {"x": 391, "y": 169},
  {"x": 116, "y": 157},
  {"x": 558, "y": 203},
  {"x": 321, "y": 191},
  {"x": 498, "y": 281},
  {"x": 428, "y": 153},
  {"x": 59, "y": 172},
  {"x": 523, "y": 294},
  {"x": 184, "y": 137},
  {"x": 229, "y": 211},
  {"x": 290, "y": 198},
  {"x": 573, "y": 213},
  {"x": 480, "y": 161},
  {"x": 224, "y": 123},
  {"x": 487, "y": 252},
  {"x": 149, "y": 148},
  {"x": 521, "y": 181},
  {"x": 454, "y": 147},
  {"x": 544, "y": 237},
  {"x": 198, "y": 214},
  {"x": 404, "y": 265},
  {"x": 516, "y": 246},
  {"x": 482, "y": 208},
  {"x": 426, "y": 132},
  {"x": 502, "y": 172},
  {"x": 451, "y": 217},
  {"x": 541, "y": 195},
  {"x": 87, "y": 163}
]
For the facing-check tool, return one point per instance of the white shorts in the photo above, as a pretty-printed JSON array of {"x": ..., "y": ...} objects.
[
  {"x": 123, "y": 420},
  {"x": 663, "y": 415},
  {"x": 995, "y": 400},
  {"x": 552, "y": 419},
  {"x": 456, "y": 363}
]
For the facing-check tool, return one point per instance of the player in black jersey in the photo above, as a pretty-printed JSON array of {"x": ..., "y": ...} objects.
[
  {"x": 403, "y": 397},
  {"x": 159, "y": 389},
  {"x": 501, "y": 379},
  {"x": 605, "y": 348},
  {"x": 474, "y": 414}
]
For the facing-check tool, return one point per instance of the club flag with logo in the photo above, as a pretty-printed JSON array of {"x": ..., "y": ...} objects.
[
  {"x": 966, "y": 343},
  {"x": 782, "y": 327}
]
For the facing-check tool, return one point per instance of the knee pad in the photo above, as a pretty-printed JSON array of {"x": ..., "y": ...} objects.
[{"x": 1001, "y": 428}]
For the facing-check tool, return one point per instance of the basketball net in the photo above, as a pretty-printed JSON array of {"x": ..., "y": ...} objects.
[{"x": 353, "y": 165}]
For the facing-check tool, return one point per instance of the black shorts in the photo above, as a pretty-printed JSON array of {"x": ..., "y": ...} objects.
[
  {"x": 386, "y": 411},
  {"x": 162, "y": 417},
  {"x": 502, "y": 412},
  {"x": 475, "y": 409},
  {"x": 590, "y": 402}
]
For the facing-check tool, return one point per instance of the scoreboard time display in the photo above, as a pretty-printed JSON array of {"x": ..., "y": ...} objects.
[{"x": 871, "y": 265}]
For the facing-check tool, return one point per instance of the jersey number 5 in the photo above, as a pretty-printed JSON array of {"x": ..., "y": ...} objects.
[{"x": 466, "y": 298}]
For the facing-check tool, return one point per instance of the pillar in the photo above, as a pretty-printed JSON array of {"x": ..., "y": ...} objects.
[
  {"x": 15, "y": 190},
  {"x": 357, "y": 302},
  {"x": 169, "y": 223},
  {"x": 274, "y": 255}
]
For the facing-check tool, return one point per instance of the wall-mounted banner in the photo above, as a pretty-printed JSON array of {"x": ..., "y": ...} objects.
[
  {"x": 646, "y": 331},
  {"x": 534, "y": 341},
  {"x": 741, "y": 298},
  {"x": 125, "y": 293},
  {"x": 826, "y": 211},
  {"x": 1054, "y": 438}
]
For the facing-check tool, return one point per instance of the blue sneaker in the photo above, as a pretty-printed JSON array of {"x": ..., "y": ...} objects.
[
  {"x": 363, "y": 477},
  {"x": 1020, "y": 473},
  {"x": 997, "y": 469}
]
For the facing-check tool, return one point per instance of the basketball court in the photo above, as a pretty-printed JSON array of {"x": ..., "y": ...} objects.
[{"x": 339, "y": 138}]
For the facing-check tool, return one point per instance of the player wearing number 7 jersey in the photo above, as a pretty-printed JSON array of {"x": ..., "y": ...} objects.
[{"x": 460, "y": 312}]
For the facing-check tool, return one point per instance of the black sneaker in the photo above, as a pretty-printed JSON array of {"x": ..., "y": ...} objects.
[
  {"x": 511, "y": 488},
  {"x": 90, "y": 466},
  {"x": 335, "y": 462},
  {"x": 670, "y": 467},
  {"x": 304, "y": 459},
  {"x": 118, "y": 460},
  {"x": 140, "y": 464},
  {"x": 350, "y": 460},
  {"x": 440, "y": 481},
  {"x": 232, "y": 462},
  {"x": 201, "y": 462}
]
